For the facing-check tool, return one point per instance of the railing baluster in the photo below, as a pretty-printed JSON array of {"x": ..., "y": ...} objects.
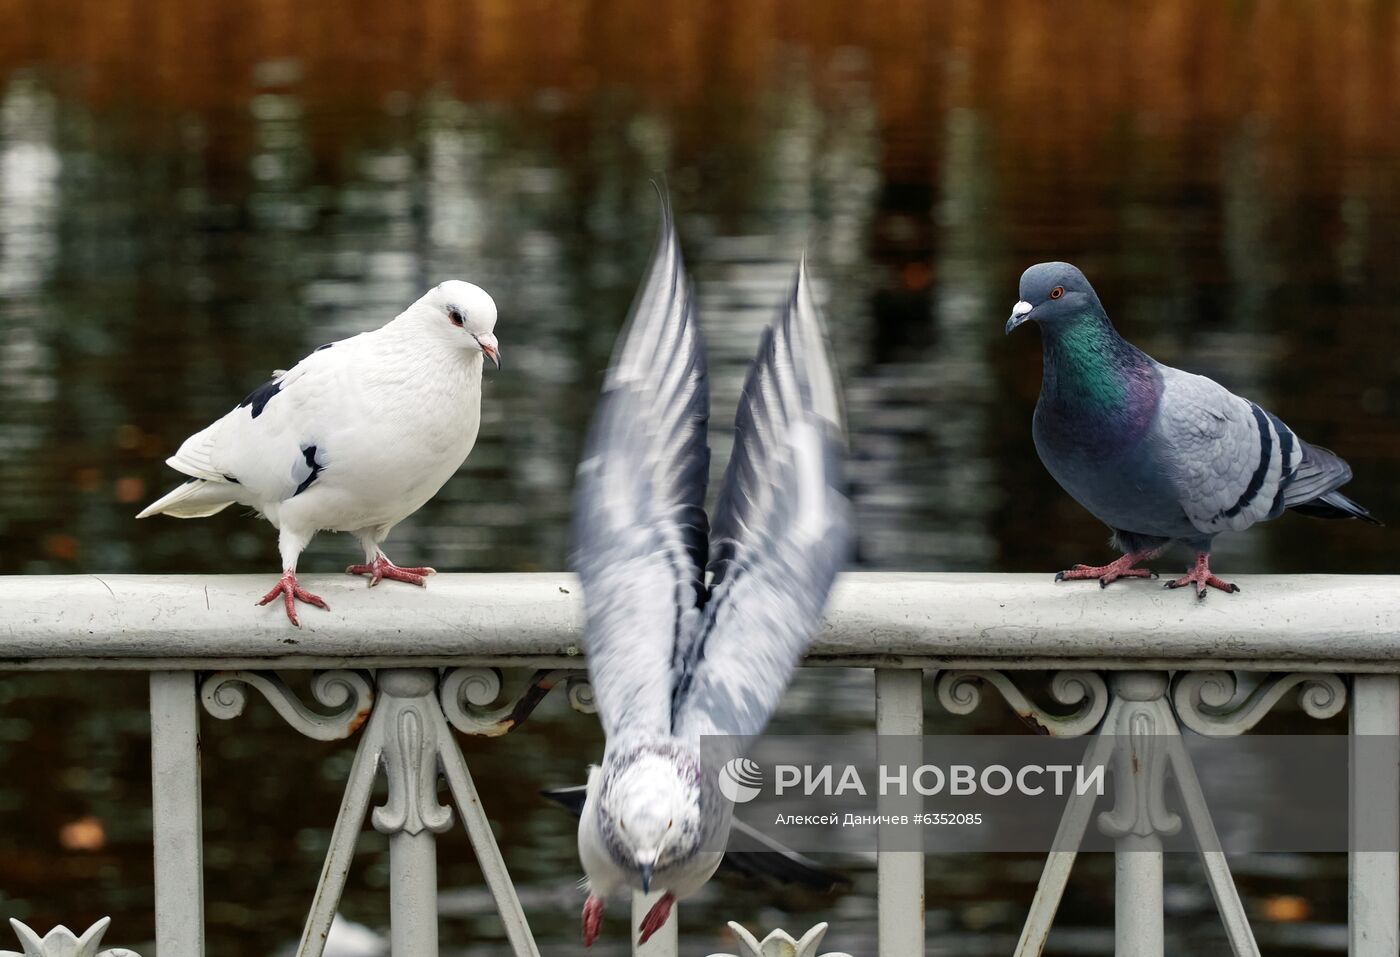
[
  {"x": 1374, "y": 875},
  {"x": 413, "y": 891},
  {"x": 1138, "y": 918},
  {"x": 175, "y": 813},
  {"x": 666, "y": 941},
  {"x": 899, "y": 710}
]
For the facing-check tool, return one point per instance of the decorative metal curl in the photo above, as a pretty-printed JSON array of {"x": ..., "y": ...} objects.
[
  {"x": 1140, "y": 762},
  {"x": 225, "y": 694},
  {"x": 961, "y": 692},
  {"x": 1203, "y": 699},
  {"x": 779, "y": 944},
  {"x": 467, "y": 695},
  {"x": 62, "y": 942}
]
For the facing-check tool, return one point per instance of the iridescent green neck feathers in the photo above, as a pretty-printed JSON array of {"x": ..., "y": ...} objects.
[{"x": 1087, "y": 363}]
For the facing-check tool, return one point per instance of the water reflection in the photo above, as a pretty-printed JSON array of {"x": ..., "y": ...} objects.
[{"x": 181, "y": 215}]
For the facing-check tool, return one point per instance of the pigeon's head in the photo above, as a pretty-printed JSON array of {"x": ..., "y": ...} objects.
[
  {"x": 650, "y": 812},
  {"x": 1053, "y": 292},
  {"x": 464, "y": 316}
]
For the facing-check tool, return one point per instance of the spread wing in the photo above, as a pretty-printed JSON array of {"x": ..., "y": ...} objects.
[
  {"x": 780, "y": 533},
  {"x": 639, "y": 535}
]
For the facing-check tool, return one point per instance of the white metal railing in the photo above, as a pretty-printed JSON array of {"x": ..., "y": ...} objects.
[{"x": 1121, "y": 657}]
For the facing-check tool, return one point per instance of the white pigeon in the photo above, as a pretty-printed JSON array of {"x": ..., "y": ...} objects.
[
  {"x": 671, "y": 658},
  {"x": 353, "y": 438}
]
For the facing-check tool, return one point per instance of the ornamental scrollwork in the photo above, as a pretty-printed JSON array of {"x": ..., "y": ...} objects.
[
  {"x": 1204, "y": 701},
  {"x": 469, "y": 693},
  {"x": 960, "y": 692},
  {"x": 61, "y": 942},
  {"x": 351, "y": 693},
  {"x": 779, "y": 944},
  {"x": 407, "y": 740}
]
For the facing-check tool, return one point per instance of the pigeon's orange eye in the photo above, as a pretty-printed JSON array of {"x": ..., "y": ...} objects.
[{"x": 1057, "y": 292}]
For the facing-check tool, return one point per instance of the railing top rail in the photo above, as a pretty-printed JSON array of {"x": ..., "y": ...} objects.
[{"x": 156, "y": 622}]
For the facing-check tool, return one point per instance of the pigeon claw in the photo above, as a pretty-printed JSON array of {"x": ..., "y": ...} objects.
[
  {"x": 1201, "y": 577},
  {"x": 655, "y": 918},
  {"x": 1107, "y": 574},
  {"x": 592, "y": 919},
  {"x": 381, "y": 568},
  {"x": 291, "y": 593}
]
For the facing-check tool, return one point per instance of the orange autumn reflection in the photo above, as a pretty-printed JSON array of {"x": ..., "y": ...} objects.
[{"x": 1051, "y": 72}]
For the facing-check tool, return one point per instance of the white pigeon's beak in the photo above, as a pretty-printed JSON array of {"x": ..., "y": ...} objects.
[
  {"x": 489, "y": 347},
  {"x": 646, "y": 867},
  {"x": 1018, "y": 315}
]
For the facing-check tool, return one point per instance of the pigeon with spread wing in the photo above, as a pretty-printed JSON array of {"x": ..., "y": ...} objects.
[{"x": 674, "y": 657}]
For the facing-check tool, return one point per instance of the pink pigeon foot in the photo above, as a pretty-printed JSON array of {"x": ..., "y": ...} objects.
[
  {"x": 382, "y": 568},
  {"x": 291, "y": 592},
  {"x": 1200, "y": 576},
  {"x": 1110, "y": 573},
  {"x": 656, "y": 917},
  {"x": 592, "y": 919}
]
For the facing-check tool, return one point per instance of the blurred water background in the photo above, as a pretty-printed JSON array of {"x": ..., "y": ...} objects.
[{"x": 193, "y": 195}]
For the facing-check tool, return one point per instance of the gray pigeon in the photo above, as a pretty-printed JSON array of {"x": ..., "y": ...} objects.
[
  {"x": 673, "y": 657},
  {"x": 1159, "y": 455}
]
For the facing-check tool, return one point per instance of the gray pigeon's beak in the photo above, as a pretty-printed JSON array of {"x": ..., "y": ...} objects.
[
  {"x": 646, "y": 870},
  {"x": 490, "y": 348},
  {"x": 1018, "y": 315}
]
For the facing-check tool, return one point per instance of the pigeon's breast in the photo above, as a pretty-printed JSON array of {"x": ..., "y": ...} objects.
[
  {"x": 1113, "y": 473},
  {"x": 406, "y": 431}
]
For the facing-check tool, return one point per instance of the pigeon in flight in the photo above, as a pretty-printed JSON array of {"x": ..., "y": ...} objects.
[
  {"x": 354, "y": 438},
  {"x": 753, "y": 857},
  {"x": 1159, "y": 455},
  {"x": 671, "y": 657}
]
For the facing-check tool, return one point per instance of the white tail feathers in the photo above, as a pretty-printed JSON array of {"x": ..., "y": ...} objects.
[
  {"x": 196, "y": 455},
  {"x": 196, "y": 499}
]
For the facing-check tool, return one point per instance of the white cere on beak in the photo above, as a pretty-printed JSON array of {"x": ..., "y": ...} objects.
[{"x": 1019, "y": 312}]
